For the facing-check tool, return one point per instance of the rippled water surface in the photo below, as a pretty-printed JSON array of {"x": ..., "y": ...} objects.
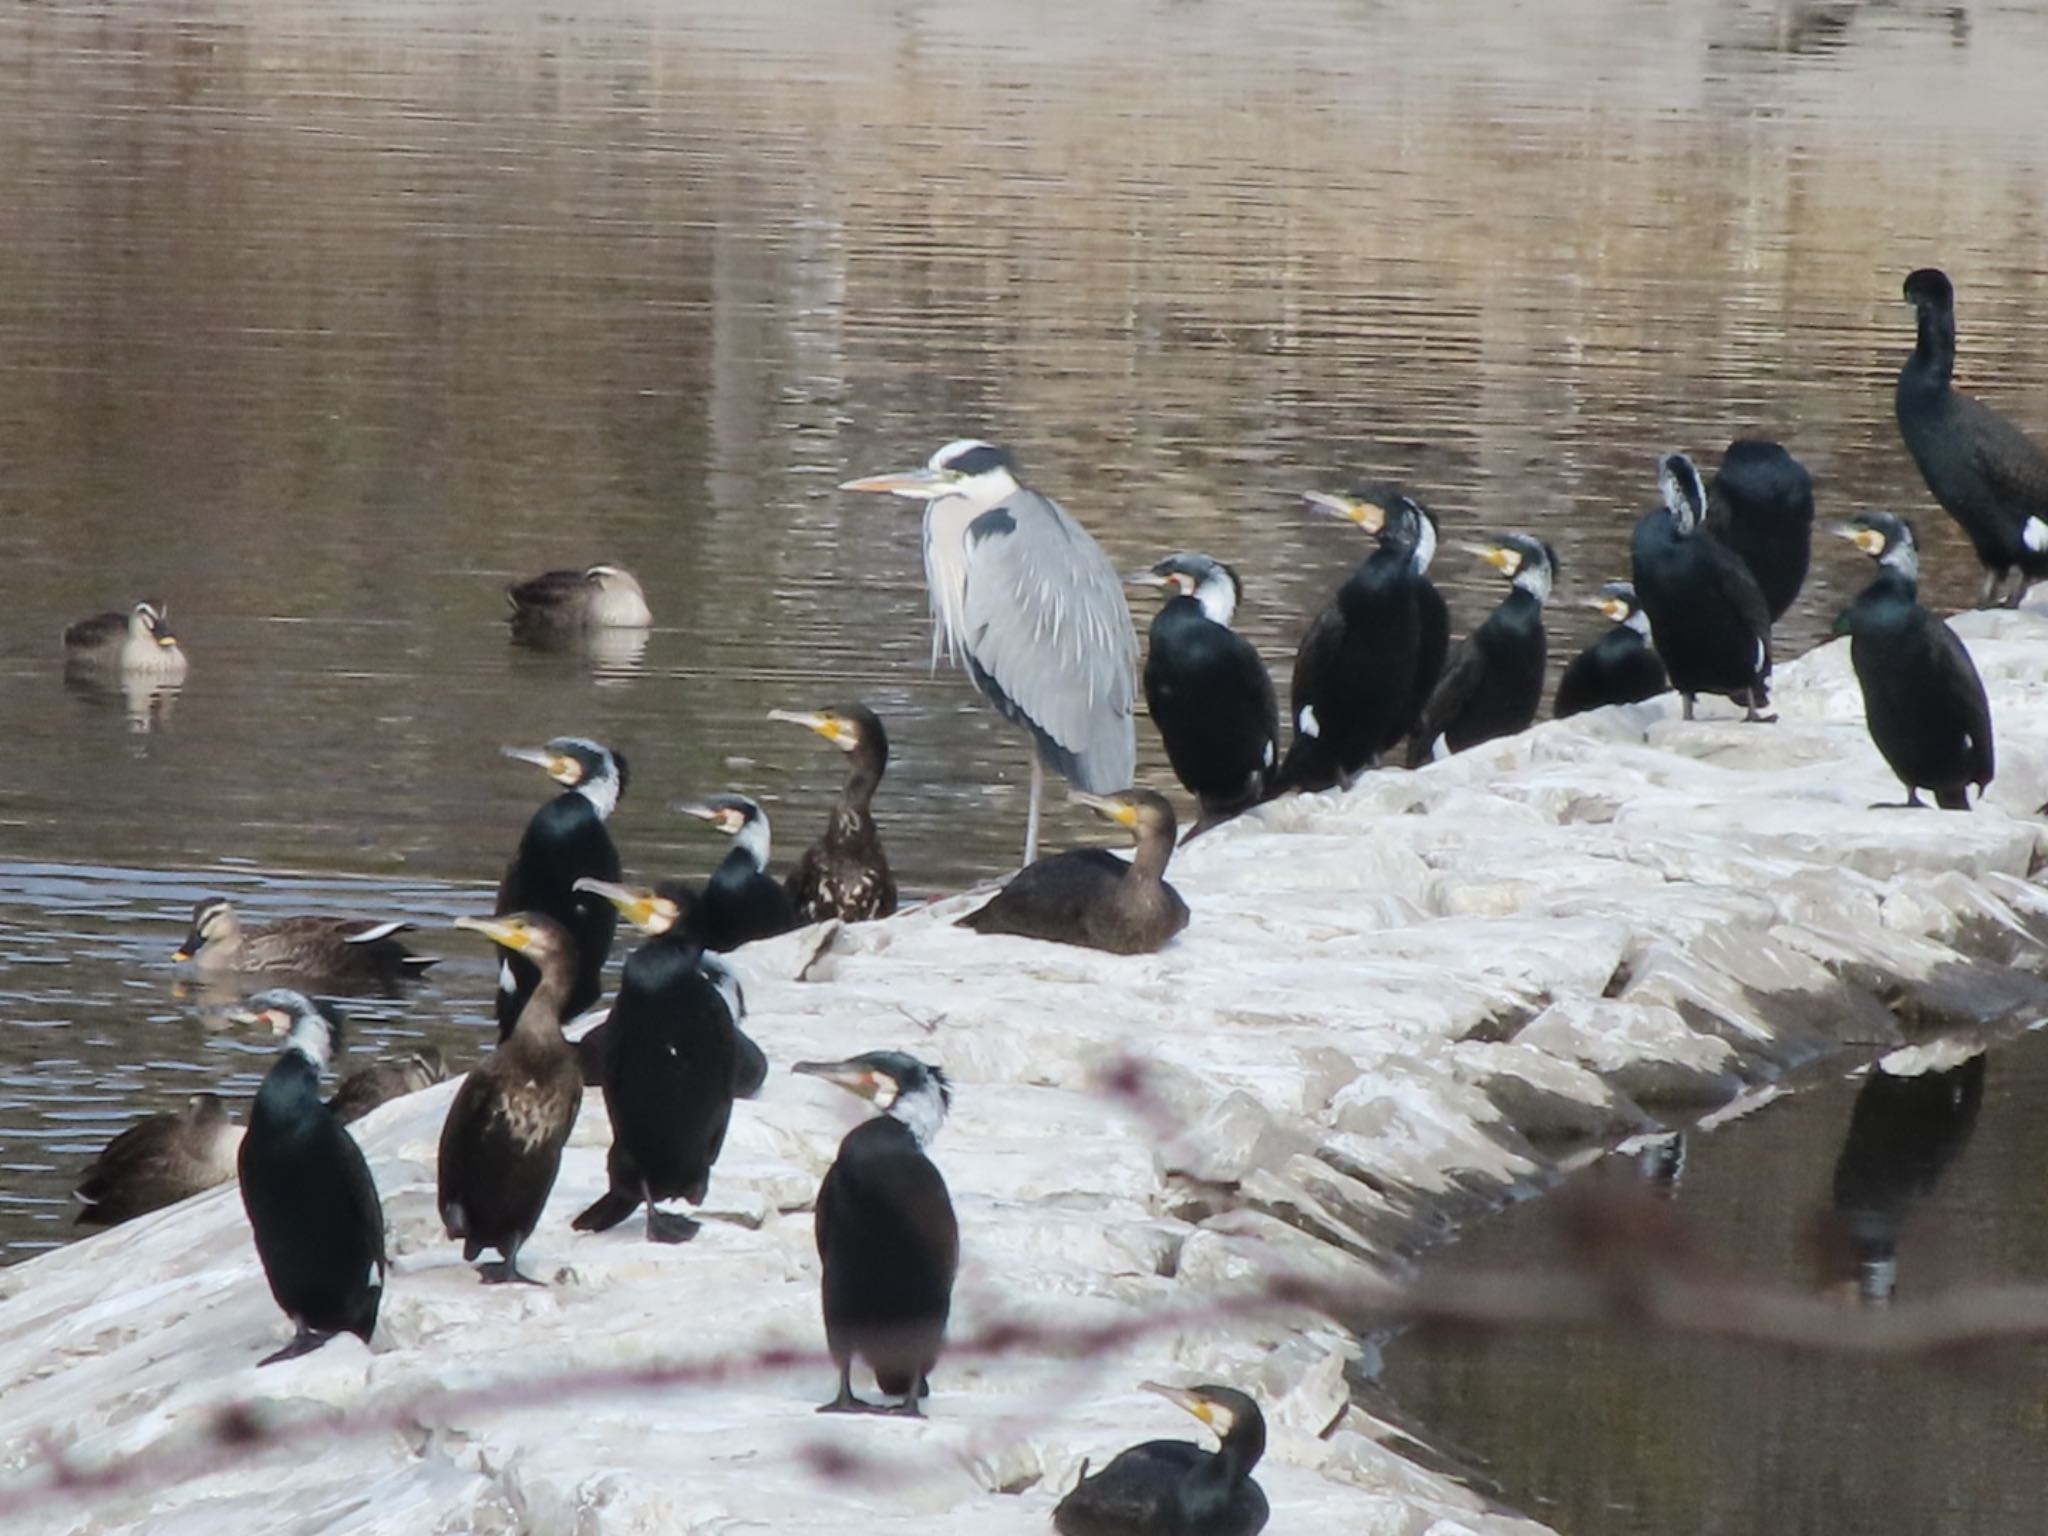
[{"x": 322, "y": 321}]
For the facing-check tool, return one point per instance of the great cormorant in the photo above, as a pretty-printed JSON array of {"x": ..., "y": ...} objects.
[
  {"x": 565, "y": 841},
  {"x": 312, "y": 1204},
  {"x": 1621, "y": 667},
  {"x": 1922, "y": 696},
  {"x": 369, "y": 1087},
  {"x": 1493, "y": 682},
  {"x": 335, "y": 949},
  {"x": 1089, "y": 896},
  {"x": 501, "y": 1145},
  {"x": 845, "y": 874},
  {"x": 600, "y": 597},
  {"x": 742, "y": 901},
  {"x": 670, "y": 1056},
  {"x": 887, "y": 1238},
  {"x": 1173, "y": 1487},
  {"x": 1209, "y": 693},
  {"x": 158, "y": 1161},
  {"x": 1761, "y": 506},
  {"x": 138, "y": 643},
  {"x": 1708, "y": 617},
  {"x": 1986, "y": 473}
]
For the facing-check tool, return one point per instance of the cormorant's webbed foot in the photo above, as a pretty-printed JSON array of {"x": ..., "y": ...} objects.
[
  {"x": 670, "y": 1226},
  {"x": 304, "y": 1342}
]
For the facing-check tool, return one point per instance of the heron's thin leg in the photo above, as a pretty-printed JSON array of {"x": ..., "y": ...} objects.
[{"x": 1031, "y": 821}]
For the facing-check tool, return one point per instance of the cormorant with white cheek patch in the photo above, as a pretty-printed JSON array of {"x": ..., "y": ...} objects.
[
  {"x": 1708, "y": 617},
  {"x": 501, "y": 1145},
  {"x": 1761, "y": 506},
  {"x": 1621, "y": 667},
  {"x": 1208, "y": 691},
  {"x": 1174, "y": 1487},
  {"x": 887, "y": 1238},
  {"x": 565, "y": 841},
  {"x": 1089, "y": 896},
  {"x": 312, "y": 1204},
  {"x": 158, "y": 1161},
  {"x": 742, "y": 901},
  {"x": 330, "y": 949},
  {"x": 1922, "y": 697},
  {"x": 670, "y": 1056},
  {"x": 1493, "y": 683},
  {"x": 845, "y": 874}
]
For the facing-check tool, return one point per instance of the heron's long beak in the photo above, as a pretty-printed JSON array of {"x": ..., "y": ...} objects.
[
  {"x": 505, "y": 931},
  {"x": 850, "y": 1075},
  {"x": 1122, "y": 812},
  {"x": 1182, "y": 1398},
  {"x": 634, "y": 905},
  {"x": 1869, "y": 540},
  {"x": 827, "y": 726},
  {"x": 1369, "y": 515},
  {"x": 917, "y": 484}
]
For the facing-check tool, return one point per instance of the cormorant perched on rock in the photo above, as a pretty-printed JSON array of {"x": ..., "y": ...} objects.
[
  {"x": 138, "y": 643},
  {"x": 158, "y": 1161},
  {"x": 1708, "y": 617},
  {"x": 670, "y": 1055},
  {"x": 1922, "y": 696},
  {"x": 1761, "y": 506},
  {"x": 601, "y": 597},
  {"x": 1208, "y": 691},
  {"x": 1354, "y": 675},
  {"x": 501, "y": 1145},
  {"x": 1986, "y": 473},
  {"x": 312, "y": 1204},
  {"x": 565, "y": 840},
  {"x": 1173, "y": 1487},
  {"x": 742, "y": 902},
  {"x": 845, "y": 874},
  {"x": 379, "y": 1083},
  {"x": 335, "y": 949},
  {"x": 887, "y": 1237},
  {"x": 1493, "y": 683},
  {"x": 1621, "y": 667},
  {"x": 1089, "y": 896}
]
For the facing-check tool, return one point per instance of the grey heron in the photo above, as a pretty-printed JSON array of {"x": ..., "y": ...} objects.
[{"x": 1029, "y": 605}]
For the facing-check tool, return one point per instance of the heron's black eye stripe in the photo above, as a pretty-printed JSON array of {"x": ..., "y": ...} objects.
[{"x": 980, "y": 460}]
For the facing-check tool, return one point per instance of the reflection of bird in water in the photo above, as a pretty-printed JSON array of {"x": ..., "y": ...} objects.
[
  {"x": 1903, "y": 1134},
  {"x": 1174, "y": 1487},
  {"x": 1660, "y": 1162},
  {"x": 1029, "y": 604}
]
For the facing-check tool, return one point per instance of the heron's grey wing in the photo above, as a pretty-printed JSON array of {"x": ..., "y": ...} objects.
[{"x": 1049, "y": 638}]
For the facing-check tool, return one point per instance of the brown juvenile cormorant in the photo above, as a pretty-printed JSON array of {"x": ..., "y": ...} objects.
[
  {"x": 1209, "y": 693},
  {"x": 1986, "y": 473},
  {"x": 1493, "y": 682},
  {"x": 845, "y": 873},
  {"x": 887, "y": 1238},
  {"x": 158, "y": 1161},
  {"x": 1761, "y": 506},
  {"x": 501, "y": 1145},
  {"x": 1922, "y": 696},
  {"x": 1089, "y": 896},
  {"x": 1174, "y": 1487},
  {"x": 742, "y": 901},
  {"x": 379, "y": 1083},
  {"x": 335, "y": 949},
  {"x": 565, "y": 840},
  {"x": 138, "y": 643},
  {"x": 312, "y": 1204},
  {"x": 1708, "y": 617},
  {"x": 669, "y": 1059},
  {"x": 1621, "y": 667},
  {"x": 601, "y": 597}
]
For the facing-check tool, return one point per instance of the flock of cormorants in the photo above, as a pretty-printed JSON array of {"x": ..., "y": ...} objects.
[{"x": 1026, "y": 602}]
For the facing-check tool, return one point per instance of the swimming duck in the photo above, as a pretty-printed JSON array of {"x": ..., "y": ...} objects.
[
  {"x": 323, "y": 948},
  {"x": 139, "y": 643},
  {"x": 598, "y": 597}
]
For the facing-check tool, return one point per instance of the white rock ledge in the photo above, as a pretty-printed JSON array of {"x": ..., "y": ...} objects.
[{"x": 1381, "y": 997}]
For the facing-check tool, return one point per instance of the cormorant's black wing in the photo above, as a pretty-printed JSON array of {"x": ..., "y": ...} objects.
[
  {"x": 1961, "y": 677},
  {"x": 1448, "y": 700},
  {"x": 2009, "y": 460},
  {"x": 1135, "y": 1492}
]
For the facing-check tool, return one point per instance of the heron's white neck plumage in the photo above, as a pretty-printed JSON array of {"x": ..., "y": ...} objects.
[
  {"x": 1218, "y": 596},
  {"x": 946, "y": 517}
]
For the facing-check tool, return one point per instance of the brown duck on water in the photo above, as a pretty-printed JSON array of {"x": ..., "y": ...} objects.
[
  {"x": 845, "y": 874},
  {"x": 1089, "y": 896},
  {"x": 325, "y": 948},
  {"x": 501, "y": 1145}
]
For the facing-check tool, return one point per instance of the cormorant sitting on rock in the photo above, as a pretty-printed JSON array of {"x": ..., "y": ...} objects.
[
  {"x": 1621, "y": 667},
  {"x": 742, "y": 902},
  {"x": 1089, "y": 896},
  {"x": 1173, "y": 1487},
  {"x": 1493, "y": 683},
  {"x": 1708, "y": 617},
  {"x": 845, "y": 874}
]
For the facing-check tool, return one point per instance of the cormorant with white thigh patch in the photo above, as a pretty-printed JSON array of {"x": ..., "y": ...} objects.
[
  {"x": 845, "y": 874},
  {"x": 1174, "y": 1487},
  {"x": 1493, "y": 682}
]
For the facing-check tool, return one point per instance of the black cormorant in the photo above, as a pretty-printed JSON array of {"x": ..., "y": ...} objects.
[
  {"x": 565, "y": 840},
  {"x": 1209, "y": 693},
  {"x": 1986, "y": 473},
  {"x": 670, "y": 1056},
  {"x": 1493, "y": 682},
  {"x": 1922, "y": 696},
  {"x": 887, "y": 1238},
  {"x": 1761, "y": 506},
  {"x": 338, "y": 949},
  {"x": 1621, "y": 667},
  {"x": 501, "y": 1145},
  {"x": 158, "y": 1161},
  {"x": 1174, "y": 1487},
  {"x": 311, "y": 1201},
  {"x": 742, "y": 901},
  {"x": 845, "y": 873},
  {"x": 138, "y": 643},
  {"x": 1089, "y": 896},
  {"x": 1708, "y": 618},
  {"x": 601, "y": 597},
  {"x": 1354, "y": 674},
  {"x": 379, "y": 1083}
]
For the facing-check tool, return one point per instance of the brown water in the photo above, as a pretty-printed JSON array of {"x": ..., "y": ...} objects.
[{"x": 322, "y": 321}]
